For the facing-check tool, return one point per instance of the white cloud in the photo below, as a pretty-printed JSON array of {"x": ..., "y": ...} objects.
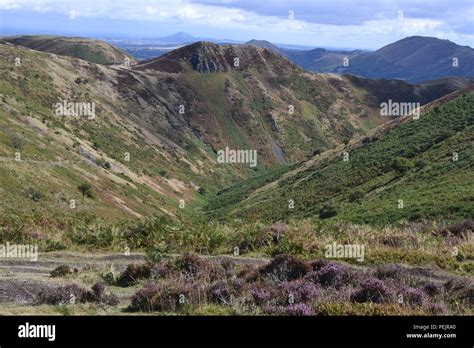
[{"x": 183, "y": 12}]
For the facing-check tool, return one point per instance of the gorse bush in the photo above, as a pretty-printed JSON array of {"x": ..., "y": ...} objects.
[
  {"x": 86, "y": 190},
  {"x": 401, "y": 165},
  {"x": 33, "y": 194},
  {"x": 328, "y": 210}
]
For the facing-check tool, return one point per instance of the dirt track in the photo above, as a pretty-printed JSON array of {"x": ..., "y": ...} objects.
[{"x": 21, "y": 280}]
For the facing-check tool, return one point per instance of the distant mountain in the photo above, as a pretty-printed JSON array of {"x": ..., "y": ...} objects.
[
  {"x": 413, "y": 59},
  {"x": 94, "y": 51},
  {"x": 182, "y": 38},
  {"x": 320, "y": 59},
  {"x": 178, "y": 39},
  {"x": 265, "y": 44}
]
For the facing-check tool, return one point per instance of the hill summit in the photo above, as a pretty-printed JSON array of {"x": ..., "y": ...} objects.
[{"x": 206, "y": 57}]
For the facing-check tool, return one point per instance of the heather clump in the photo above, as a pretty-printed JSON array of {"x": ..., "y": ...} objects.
[
  {"x": 66, "y": 294},
  {"x": 413, "y": 297},
  {"x": 133, "y": 273},
  {"x": 286, "y": 285},
  {"x": 73, "y": 293},
  {"x": 285, "y": 268},
  {"x": 297, "y": 291},
  {"x": 193, "y": 267},
  {"x": 260, "y": 295},
  {"x": 460, "y": 290},
  {"x": 169, "y": 297},
  {"x": 220, "y": 293},
  {"x": 373, "y": 290}
]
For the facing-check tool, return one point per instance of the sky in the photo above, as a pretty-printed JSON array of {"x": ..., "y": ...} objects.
[{"x": 366, "y": 24}]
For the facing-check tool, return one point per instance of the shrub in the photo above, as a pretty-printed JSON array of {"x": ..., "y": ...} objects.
[
  {"x": 219, "y": 293},
  {"x": 66, "y": 294},
  {"x": 401, "y": 165},
  {"x": 194, "y": 267},
  {"x": 413, "y": 297},
  {"x": 33, "y": 194},
  {"x": 164, "y": 297},
  {"x": 86, "y": 189},
  {"x": 431, "y": 289},
  {"x": 332, "y": 274},
  {"x": 134, "y": 273},
  {"x": 437, "y": 309},
  {"x": 285, "y": 268},
  {"x": 16, "y": 141},
  {"x": 356, "y": 196},
  {"x": 459, "y": 228},
  {"x": 73, "y": 293},
  {"x": 328, "y": 210},
  {"x": 98, "y": 295},
  {"x": 60, "y": 271},
  {"x": 373, "y": 290},
  {"x": 300, "y": 290},
  {"x": 260, "y": 295}
]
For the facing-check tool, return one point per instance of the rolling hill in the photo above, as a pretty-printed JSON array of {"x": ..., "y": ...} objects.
[{"x": 94, "y": 51}]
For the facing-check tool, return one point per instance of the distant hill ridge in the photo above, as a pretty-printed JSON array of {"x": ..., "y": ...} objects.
[{"x": 91, "y": 50}]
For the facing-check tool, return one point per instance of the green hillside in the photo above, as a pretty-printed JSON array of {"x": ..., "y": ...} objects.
[{"x": 411, "y": 172}]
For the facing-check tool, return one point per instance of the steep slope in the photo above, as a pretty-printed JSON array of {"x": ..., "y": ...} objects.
[
  {"x": 251, "y": 98},
  {"x": 414, "y": 59},
  {"x": 94, "y": 51},
  {"x": 132, "y": 169},
  {"x": 157, "y": 127},
  {"x": 407, "y": 169}
]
